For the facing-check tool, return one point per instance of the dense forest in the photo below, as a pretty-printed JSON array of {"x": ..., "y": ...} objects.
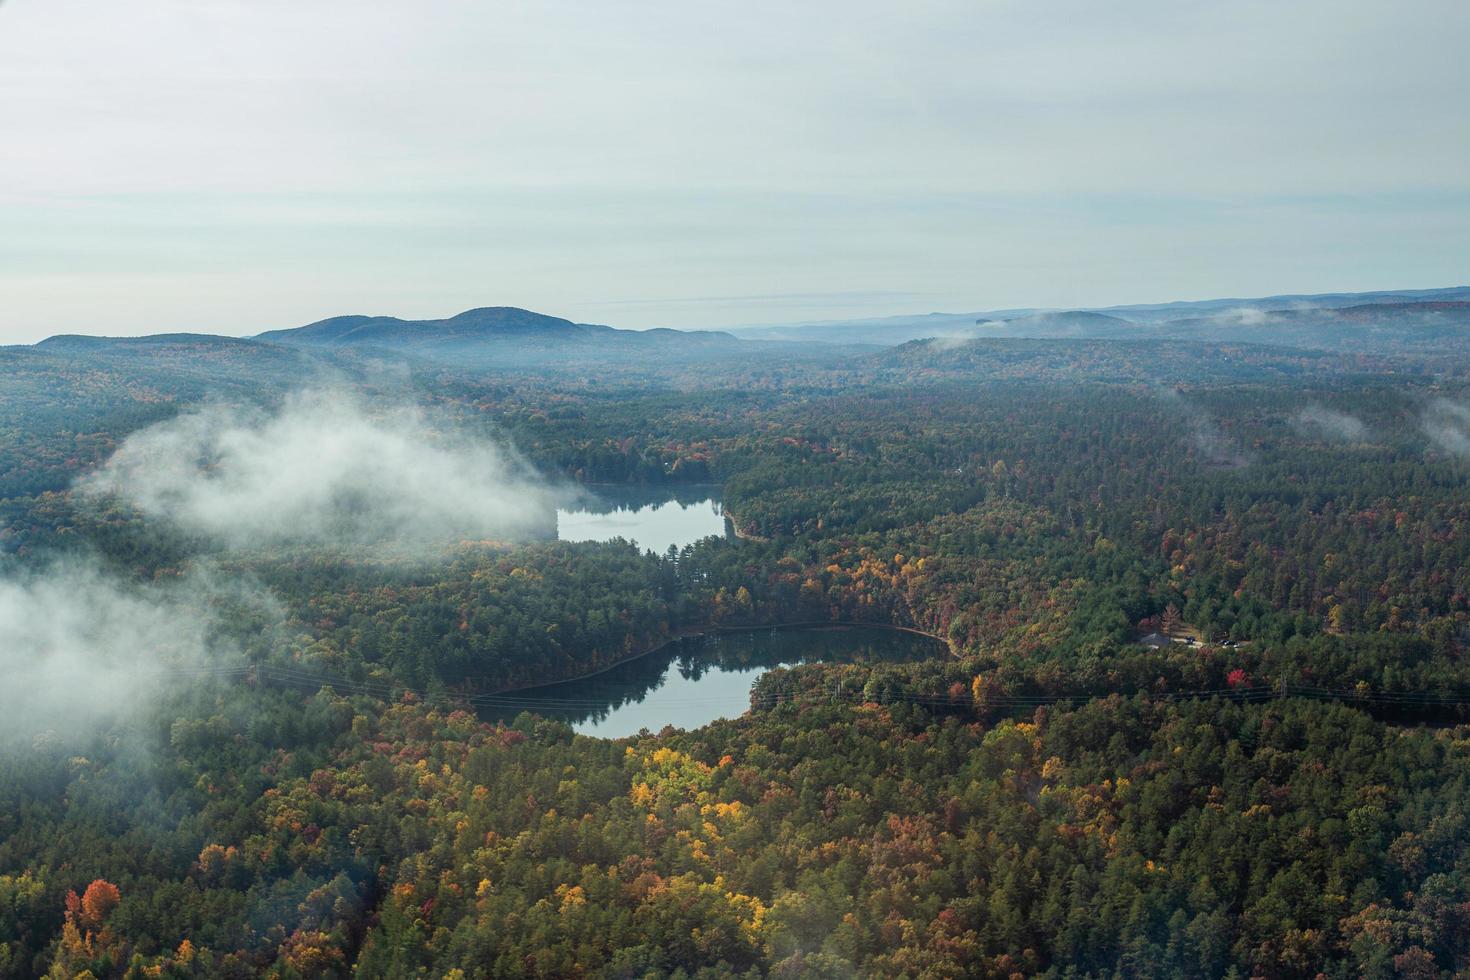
[{"x": 1275, "y": 785}]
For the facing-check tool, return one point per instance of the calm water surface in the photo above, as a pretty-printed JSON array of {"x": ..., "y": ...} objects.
[
  {"x": 652, "y": 518},
  {"x": 693, "y": 682}
]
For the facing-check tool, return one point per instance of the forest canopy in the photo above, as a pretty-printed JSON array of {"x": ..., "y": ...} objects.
[{"x": 1201, "y": 712}]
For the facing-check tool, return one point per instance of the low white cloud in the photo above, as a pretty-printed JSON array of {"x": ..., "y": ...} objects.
[
  {"x": 1447, "y": 424},
  {"x": 1331, "y": 423},
  {"x": 1207, "y": 440},
  {"x": 950, "y": 342},
  {"x": 325, "y": 470},
  {"x": 79, "y": 648}
]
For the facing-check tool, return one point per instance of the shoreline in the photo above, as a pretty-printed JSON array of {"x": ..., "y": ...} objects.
[
  {"x": 734, "y": 527},
  {"x": 733, "y": 530},
  {"x": 700, "y": 631}
]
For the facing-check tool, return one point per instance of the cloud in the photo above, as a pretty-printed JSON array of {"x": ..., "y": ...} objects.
[
  {"x": 1333, "y": 424},
  {"x": 1248, "y": 316},
  {"x": 79, "y": 648},
  {"x": 1212, "y": 445},
  {"x": 325, "y": 470},
  {"x": 950, "y": 342},
  {"x": 1447, "y": 424}
]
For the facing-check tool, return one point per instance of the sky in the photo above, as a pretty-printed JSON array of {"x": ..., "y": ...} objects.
[{"x": 233, "y": 166}]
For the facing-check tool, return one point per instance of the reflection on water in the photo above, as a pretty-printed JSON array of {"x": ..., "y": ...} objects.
[
  {"x": 692, "y": 682},
  {"x": 651, "y": 517}
]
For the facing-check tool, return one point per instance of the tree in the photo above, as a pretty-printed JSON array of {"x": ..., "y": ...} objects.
[
  {"x": 1169, "y": 620},
  {"x": 98, "y": 901}
]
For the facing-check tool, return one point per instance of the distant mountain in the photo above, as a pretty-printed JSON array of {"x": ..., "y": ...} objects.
[
  {"x": 1064, "y": 323},
  {"x": 472, "y": 326},
  {"x": 506, "y": 336},
  {"x": 1158, "y": 312},
  {"x": 73, "y": 383},
  {"x": 1448, "y": 316},
  {"x": 502, "y": 337},
  {"x": 1379, "y": 326},
  {"x": 1233, "y": 319},
  {"x": 1429, "y": 325},
  {"x": 203, "y": 355},
  {"x": 1068, "y": 360},
  {"x": 487, "y": 339},
  {"x": 87, "y": 344},
  {"x": 873, "y": 332}
]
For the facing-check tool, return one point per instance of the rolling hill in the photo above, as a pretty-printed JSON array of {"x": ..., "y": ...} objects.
[
  {"x": 1417, "y": 317},
  {"x": 506, "y": 336}
]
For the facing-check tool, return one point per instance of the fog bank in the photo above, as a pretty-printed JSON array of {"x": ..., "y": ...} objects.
[
  {"x": 1447, "y": 424},
  {"x": 79, "y": 648},
  {"x": 325, "y": 470},
  {"x": 1330, "y": 423}
]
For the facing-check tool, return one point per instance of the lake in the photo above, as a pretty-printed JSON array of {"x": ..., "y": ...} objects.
[
  {"x": 653, "y": 518},
  {"x": 697, "y": 680}
]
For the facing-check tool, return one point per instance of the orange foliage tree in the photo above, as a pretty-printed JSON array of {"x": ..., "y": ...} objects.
[{"x": 98, "y": 901}]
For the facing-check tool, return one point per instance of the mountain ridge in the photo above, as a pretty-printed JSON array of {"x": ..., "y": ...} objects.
[
  {"x": 480, "y": 323},
  {"x": 1145, "y": 317}
]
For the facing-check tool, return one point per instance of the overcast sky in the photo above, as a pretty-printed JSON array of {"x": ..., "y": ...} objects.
[{"x": 233, "y": 166}]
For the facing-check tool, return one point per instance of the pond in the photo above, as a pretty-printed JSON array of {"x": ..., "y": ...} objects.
[
  {"x": 653, "y": 518},
  {"x": 694, "y": 681}
]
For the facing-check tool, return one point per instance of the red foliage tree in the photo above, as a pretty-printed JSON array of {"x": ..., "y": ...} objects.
[{"x": 98, "y": 901}]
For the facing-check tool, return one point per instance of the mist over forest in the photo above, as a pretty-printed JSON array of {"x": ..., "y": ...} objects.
[{"x": 277, "y": 620}]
